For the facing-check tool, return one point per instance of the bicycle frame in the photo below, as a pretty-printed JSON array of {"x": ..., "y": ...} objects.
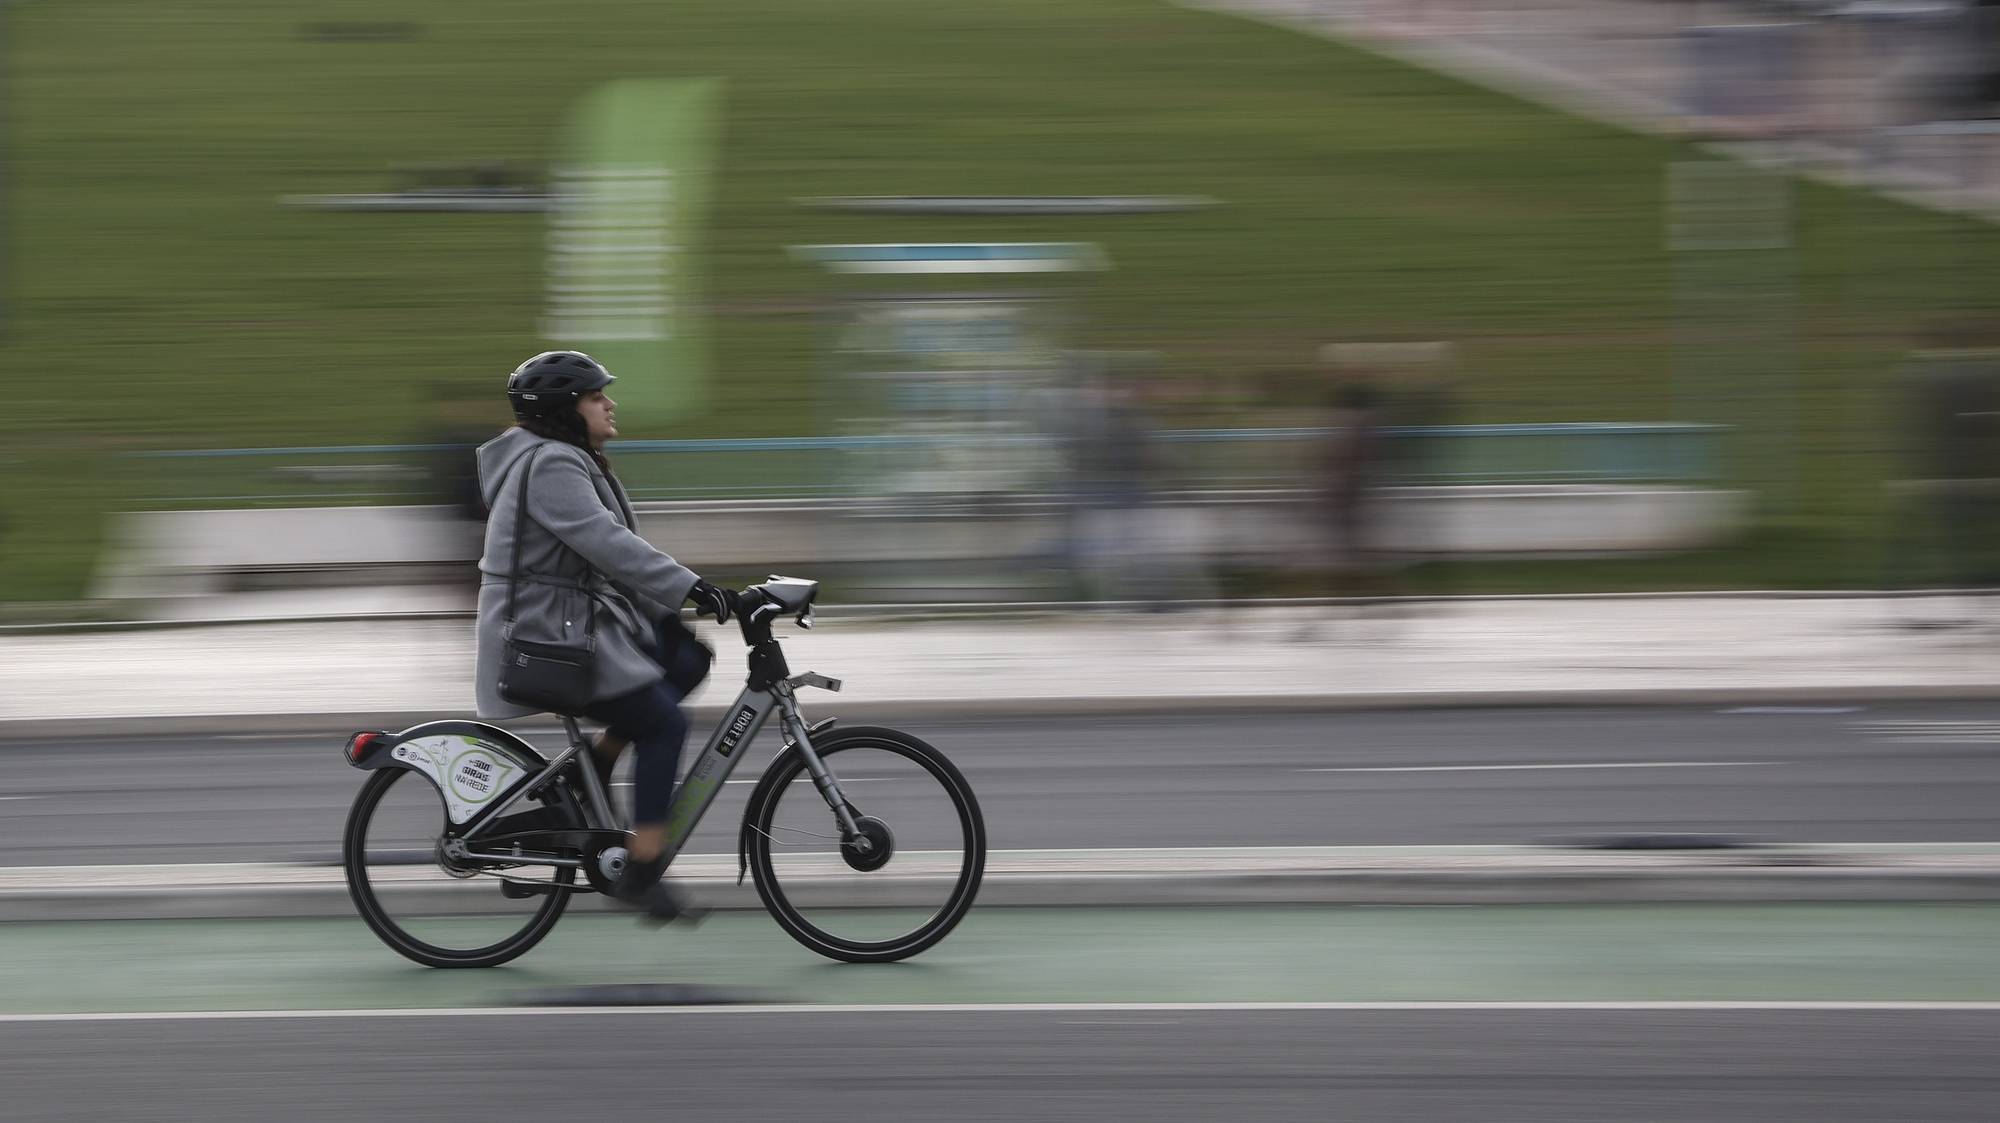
[
  {"x": 719, "y": 758},
  {"x": 724, "y": 750}
]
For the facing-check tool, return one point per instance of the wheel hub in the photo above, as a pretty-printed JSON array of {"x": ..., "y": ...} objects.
[
  {"x": 872, "y": 848},
  {"x": 447, "y": 851}
]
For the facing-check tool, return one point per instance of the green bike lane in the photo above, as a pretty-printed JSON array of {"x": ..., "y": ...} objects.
[{"x": 1487, "y": 953}]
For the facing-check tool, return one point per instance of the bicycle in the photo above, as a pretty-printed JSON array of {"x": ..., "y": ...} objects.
[{"x": 422, "y": 859}]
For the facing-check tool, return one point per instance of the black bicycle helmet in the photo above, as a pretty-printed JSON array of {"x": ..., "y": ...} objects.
[{"x": 553, "y": 381}]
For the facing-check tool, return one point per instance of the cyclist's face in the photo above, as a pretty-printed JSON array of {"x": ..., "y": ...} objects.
[{"x": 600, "y": 416}]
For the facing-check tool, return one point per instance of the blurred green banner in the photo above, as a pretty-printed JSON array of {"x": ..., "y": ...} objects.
[{"x": 633, "y": 184}]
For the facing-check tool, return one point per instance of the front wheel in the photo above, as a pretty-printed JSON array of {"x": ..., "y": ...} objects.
[{"x": 887, "y": 898}]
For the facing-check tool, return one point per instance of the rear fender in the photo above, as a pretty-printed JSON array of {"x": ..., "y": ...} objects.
[{"x": 473, "y": 765}]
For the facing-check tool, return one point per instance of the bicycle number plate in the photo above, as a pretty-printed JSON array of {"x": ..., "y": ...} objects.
[{"x": 470, "y": 773}]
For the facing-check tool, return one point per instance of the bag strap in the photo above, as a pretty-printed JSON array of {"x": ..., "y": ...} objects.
[
  {"x": 520, "y": 524},
  {"x": 515, "y": 576}
]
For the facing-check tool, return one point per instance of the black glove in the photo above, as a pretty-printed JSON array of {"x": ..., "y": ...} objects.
[{"x": 709, "y": 600}]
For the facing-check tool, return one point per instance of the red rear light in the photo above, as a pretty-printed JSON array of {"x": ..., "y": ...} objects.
[{"x": 359, "y": 744}]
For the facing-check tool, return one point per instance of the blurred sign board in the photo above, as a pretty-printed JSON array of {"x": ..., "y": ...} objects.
[
  {"x": 969, "y": 374},
  {"x": 630, "y": 193}
]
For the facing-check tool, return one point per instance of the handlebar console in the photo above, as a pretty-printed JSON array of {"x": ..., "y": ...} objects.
[{"x": 760, "y": 604}]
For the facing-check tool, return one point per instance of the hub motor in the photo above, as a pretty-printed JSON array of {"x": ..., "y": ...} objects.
[{"x": 881, "y": 845}]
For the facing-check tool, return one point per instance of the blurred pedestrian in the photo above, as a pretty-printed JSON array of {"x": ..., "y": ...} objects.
[
  {"x": 1113, "y": 461},
  {"x": 1179, "y": 525},
  {"x": 1420, "y": 405},
  {"x": 1351, "y": 468},
  {"x": 1386, "y": 403}
]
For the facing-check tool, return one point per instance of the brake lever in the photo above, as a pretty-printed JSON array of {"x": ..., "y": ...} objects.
[{"x": 805, "y": 619}]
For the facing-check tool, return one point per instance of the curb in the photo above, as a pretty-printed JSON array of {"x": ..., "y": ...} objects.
[
  {"x": 894, "y": 710},
  {"x": 1526, "y": 876}
]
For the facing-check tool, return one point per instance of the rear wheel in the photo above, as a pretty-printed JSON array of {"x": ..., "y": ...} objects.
[
  {"x": 430, "y": 908},
  {"x": 904, "y": 889}
]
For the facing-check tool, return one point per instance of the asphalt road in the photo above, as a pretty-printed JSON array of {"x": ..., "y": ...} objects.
[
  {"x": 1536, "y": 1066},
  {"x": 1885, "y": 774}
]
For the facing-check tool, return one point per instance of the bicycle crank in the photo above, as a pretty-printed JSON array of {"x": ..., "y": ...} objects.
[{"x": 603, "y": 867}]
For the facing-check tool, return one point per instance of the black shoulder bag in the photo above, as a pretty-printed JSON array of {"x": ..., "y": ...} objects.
[{"x": 555, "y": 677}]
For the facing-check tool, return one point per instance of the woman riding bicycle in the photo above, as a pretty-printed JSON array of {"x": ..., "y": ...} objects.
[{"x": 577, "y": 569}]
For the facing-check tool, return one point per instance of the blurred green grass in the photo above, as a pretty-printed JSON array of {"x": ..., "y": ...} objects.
[{"x": 161, "y": 297}]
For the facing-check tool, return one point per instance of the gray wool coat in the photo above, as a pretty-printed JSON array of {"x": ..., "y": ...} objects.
[{"x": 579, "y": 528}]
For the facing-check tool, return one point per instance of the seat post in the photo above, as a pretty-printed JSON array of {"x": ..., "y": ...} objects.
[{"x": 575, "y": 734}]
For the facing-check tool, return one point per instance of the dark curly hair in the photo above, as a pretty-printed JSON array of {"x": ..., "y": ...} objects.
[{"x": 568, "y": 427}]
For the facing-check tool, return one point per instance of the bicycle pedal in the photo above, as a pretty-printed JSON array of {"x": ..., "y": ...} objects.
[{"x": 515, "y": 891}]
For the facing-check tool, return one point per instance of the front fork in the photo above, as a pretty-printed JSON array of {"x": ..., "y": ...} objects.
[{"x": 798, "y": 734}]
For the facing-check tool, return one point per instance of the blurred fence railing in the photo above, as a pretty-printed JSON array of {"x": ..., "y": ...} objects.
[{"x": 833, "y": 466}]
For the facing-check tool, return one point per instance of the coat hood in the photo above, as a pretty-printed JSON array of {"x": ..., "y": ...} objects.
[{"x": 498, "y": 455}]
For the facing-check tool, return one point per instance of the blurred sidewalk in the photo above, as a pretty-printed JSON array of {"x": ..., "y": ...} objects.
[
  {"x": 1695, "y": 649},
  {"x": 1849, "y": 110}
]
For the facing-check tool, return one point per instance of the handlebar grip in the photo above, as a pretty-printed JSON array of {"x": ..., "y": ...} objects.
[{"x": 757, "y": 608}]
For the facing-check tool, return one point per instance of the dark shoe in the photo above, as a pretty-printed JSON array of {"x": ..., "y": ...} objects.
[
  {"x": 636, "y": 878},
  {"x": 639, "y": 887},
  {"x": 663, "y": 904}
]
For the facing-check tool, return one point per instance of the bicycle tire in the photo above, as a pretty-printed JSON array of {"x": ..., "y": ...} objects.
[
  {"x": 379, "y": 919},
  {"x": 757, "y": 833}
]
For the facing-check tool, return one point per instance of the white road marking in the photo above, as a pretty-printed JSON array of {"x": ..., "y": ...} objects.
[
  {"x": 1950, "y": 722},
  {"x": 1919, "y": 731},
  {"x": 1537, "y": 767},
  {"x": 1793, "y": 710},
  {"x": 22, "y": 797},
  {"x": 1009, "y": 1008}
]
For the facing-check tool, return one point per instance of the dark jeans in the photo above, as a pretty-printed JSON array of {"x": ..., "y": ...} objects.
[{"x": 651, "y": 719}]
